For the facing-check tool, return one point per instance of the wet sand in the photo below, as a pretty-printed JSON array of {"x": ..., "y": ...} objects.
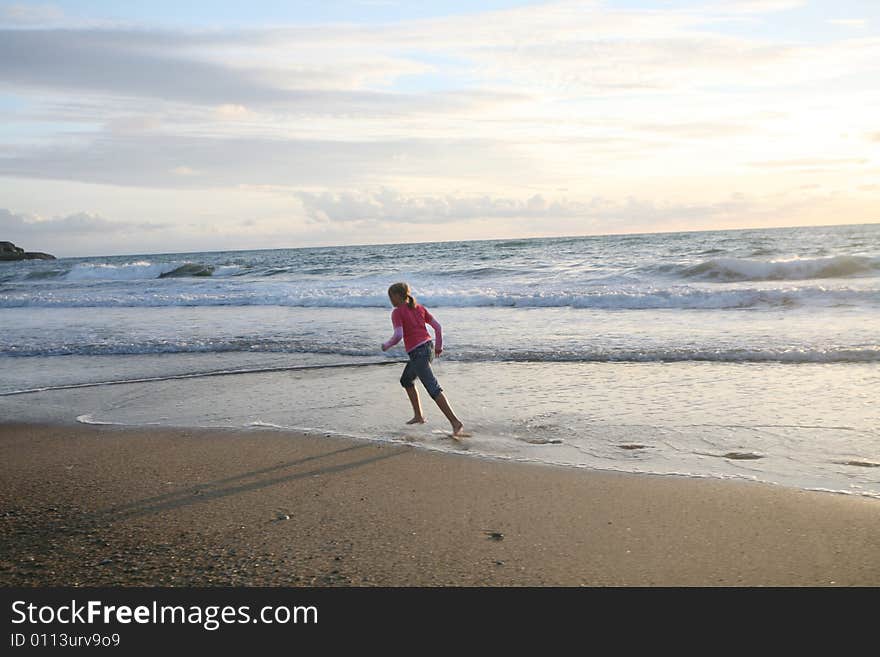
[{"x": 98, "y": 505}]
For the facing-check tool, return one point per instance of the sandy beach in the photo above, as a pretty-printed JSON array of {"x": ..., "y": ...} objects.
[{"x": 98, "y": 505}]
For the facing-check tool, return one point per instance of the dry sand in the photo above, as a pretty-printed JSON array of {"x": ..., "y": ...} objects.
[{"x": 94, "y": 506}]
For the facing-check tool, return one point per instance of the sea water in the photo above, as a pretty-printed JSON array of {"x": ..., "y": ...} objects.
[{"x": 750, "y": 354}]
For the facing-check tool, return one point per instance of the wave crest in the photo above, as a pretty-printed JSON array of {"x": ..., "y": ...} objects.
[
  {"x": 145, "y": 270},
  {"x": 612, "y": 298},
  {"x": 466, "y": 354},
  {"x": 743, "y": 269}
]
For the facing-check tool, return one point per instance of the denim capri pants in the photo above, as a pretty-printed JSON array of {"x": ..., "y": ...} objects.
[{"x": 419, "y": 365}]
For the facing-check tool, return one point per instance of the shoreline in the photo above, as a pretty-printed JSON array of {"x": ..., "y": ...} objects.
[
  {"x": 465, "y": 452},
  {"x": 110, "y": 505}
]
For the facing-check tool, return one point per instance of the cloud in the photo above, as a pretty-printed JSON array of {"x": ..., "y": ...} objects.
[
  {"x": 184, "y": 171},
  {"x": 127, "y": 125},
  {"x": 83, "y": 233},
  {"x": 93, "y": 60},
  {"x": 454, "y": 119},
  {"x": 654, "y": 65},
  {"x": 19, "y": 14},
  {"x": 849, "y": 22},
  {"x": 570, "y": 47},
  {"x": 809, "y": 163},
  {"x": 165, "y": 160},
  {"x": 696, "y": 129},
  {"x": 79, "y": 224},
  {"x": 387, "y": 215},
  {"x": 389, "y": 205},
  {"x": 757, "y": 6},
  {"x": 347, "y": 80},
  {"x": 162, "y": 65},
  {"x": 232, "y": 112}
]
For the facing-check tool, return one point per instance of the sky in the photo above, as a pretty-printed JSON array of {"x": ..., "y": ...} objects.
[{"x": 130, "y": 128}]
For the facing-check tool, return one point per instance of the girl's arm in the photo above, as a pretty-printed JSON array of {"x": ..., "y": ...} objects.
[
  {"x": 438, "y": 336},
  {"x": 398, "y": 330},
  {"x": 397, "y": 337}
]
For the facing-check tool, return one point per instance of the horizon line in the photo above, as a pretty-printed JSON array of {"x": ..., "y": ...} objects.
[{"x": 486, "y": 239}]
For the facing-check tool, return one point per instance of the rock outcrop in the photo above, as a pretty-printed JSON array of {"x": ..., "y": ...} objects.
[
  {"x": 189, "y": 269},
  {"x": 8, "y": 251}
]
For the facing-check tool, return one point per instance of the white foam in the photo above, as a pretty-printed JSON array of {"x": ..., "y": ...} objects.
[
  {"x": 269, "y": 425},
  {"x": 219, "y": 293},
  {"x": 133, "y": 271},
  {"x": 585, "y": 354},
  {"x": 842, "y": 491},
  {"x": 89, "y": 419},
  {"x": 142, "y": 269}
]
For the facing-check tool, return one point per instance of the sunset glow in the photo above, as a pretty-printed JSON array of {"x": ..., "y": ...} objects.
[{"x": 134, "y": 130}]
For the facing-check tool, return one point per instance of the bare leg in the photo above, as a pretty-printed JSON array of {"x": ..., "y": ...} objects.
[
  {"x": 457, "y": 426},
  {"x": 418, "y": 416}
]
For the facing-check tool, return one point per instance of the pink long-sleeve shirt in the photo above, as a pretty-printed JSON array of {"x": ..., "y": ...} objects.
[{"x": 409, "y": 324}]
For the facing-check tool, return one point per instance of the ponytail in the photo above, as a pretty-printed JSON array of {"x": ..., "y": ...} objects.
[{"x": 402, "y": 291}]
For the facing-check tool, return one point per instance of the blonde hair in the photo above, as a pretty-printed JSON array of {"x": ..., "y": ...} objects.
[{"x": 402, "y": 290}]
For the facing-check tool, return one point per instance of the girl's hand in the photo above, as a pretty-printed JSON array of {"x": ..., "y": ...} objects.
[
  {"x": 384, "y": 348},
  {"x": 437, "y": 352}
]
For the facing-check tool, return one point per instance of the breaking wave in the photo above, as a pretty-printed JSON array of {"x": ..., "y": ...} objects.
[
  {"x": 145, "y": 270},
  {"x": 742, "y": 269},
  {"x": 770, "y": 354},
  {"x": 603, "y": 298}
]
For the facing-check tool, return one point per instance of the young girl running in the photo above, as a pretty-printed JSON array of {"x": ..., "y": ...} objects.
[{"x": 408, "y": 319}]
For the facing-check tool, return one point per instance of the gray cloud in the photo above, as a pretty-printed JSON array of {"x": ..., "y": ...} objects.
[
  {"x": 373, "y": 217},
  {"x": 162, "y": 65},
  {"x": 390, "y": 206},
  {"x": 80, "y": 233},
  {"x": 289, "y": 109},
  {"x": 79, "y": 224},
  {"x": 107, "y": 62},
  {"x": 199, "y": 162},
  {"x": 100, "y": 61},
  {"x": 20, "y": 14}
]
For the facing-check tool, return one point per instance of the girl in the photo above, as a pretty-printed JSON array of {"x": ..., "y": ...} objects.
[{"x": 408, "y": 319}]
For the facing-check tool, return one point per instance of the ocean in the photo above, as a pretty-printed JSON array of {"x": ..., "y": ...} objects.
[{"x": 748, "y": 354}]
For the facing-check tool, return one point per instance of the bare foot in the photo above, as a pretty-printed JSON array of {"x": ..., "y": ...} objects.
[
  {"x": 458, "y": 430},
  {"x": 417, "y": 420}
]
